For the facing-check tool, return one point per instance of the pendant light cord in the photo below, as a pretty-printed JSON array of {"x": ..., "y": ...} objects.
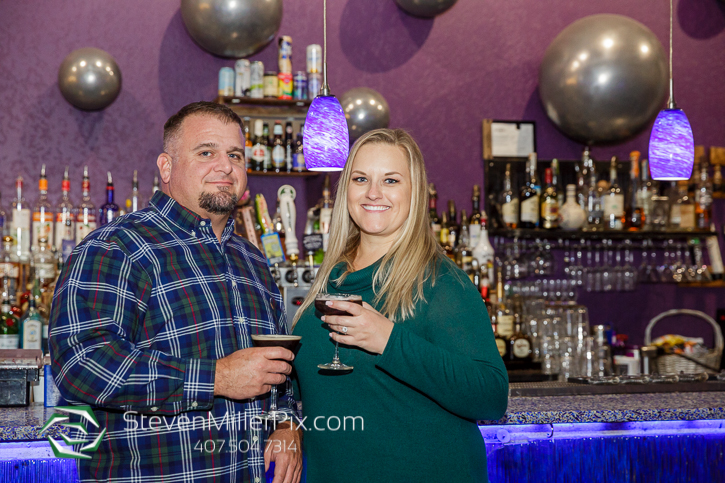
[
  {"x": 324, "y": 89},
  {"x": 671, "y": 103}
]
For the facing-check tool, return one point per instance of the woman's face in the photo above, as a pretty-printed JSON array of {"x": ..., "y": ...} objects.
[{"x": 378, "y": 197}]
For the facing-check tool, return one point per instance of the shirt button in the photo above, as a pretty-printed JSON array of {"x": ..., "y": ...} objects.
[
  {"x": 203, "y": 223},
  {"x": 194, "y": 404},
  {"x": 255, "y": 439},
  {"x": 193, "y": 233},
  {"x": 257, "y": 480},
  {"x": 234, "y": 284},
  {"x": 154, "y": 408}
]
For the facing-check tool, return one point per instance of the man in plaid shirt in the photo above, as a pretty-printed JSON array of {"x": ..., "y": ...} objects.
[{"x": 152, "y": 320}]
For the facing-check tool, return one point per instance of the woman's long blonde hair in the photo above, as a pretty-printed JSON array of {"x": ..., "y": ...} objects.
[{"x": 410, "y": 261}]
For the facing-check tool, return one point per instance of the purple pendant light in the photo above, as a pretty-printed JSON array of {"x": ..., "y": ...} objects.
[
  {"x": 671, "y": 145},
  {"x": 326, "y": 138}
]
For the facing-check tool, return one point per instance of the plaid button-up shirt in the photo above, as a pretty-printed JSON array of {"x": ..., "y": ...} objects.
[{"x": 142, "y": 310}]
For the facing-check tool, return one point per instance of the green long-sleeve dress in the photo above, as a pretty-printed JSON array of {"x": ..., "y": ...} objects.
[{"x": 408, "y": 414}]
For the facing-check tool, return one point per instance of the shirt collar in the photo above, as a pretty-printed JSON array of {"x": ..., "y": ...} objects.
[{"x": 185, "y": 218}]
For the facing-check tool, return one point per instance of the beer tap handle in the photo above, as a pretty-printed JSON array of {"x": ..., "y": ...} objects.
[{"x": 286, "y": 194}]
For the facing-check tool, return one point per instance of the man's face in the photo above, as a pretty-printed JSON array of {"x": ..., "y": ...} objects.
[{"x": 205, "y": 171}]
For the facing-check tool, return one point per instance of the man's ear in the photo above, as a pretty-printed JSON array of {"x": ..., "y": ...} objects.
[{"x": 163, "y": 162}]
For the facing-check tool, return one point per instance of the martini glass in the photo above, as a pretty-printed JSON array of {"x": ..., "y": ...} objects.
[
  {"x": 289, "y": 342},
  {"x": 320, "y": 304}
]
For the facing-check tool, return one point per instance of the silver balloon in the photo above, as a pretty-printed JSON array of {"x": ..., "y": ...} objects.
[
  {"x": 603, "y": 79},
  {"x": 425, "y": 8},
  {"x": 232, "y": 28},
  {"x": 89, "y": 79},
  {"x": 365, "y": 109}
]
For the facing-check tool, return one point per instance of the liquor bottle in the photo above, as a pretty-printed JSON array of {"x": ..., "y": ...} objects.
[
  {"x": 42, "y": 212},
  {"x": 435, "y": 222},
  {"x": 533, "y": 172},
  {"x": 10, "y": 264},
  {"x": 248, "y": 145},
  {"x": 463, "y": 252},
  {"x": 289, "y": 146},
  {"x": 86, "y": 219},
  {"x": 501, "y": 343},
  {"x": 703, "y": 200},
  {"x": 483, "y": 251},
  {"x": 695, "y": 176},
  {"x": 504, "y": 314},
  {"x": 267, "y": 142},
  {"x": 613, "y": 200},
  {"x": 136, "y": 203},
  {"x": 20, "y": 222},
  {"x": 443, "y": 240},
  {"x": 582, "y": 179},
  {"x": 485, "y": 290},
  {"x": 259, "y": 151},
  {"x": 474, "y": 223},
  {"x": 65, "y": 237},
  {"x": 33, "y": 327},
  {"x": 454, "y": 229},
  {"x": 556, "y": 181},
  {"x": 109, "y": 209},
  {"x": 573, "y": 216},
  {"x": 298, "y": 159},
  {"x": 509, "y": 201},
  {"x": 549, "y": 203},
  {"x": 529, "y": 199},
  {"x": 326, "y": 212},
  {"x": 520, "y": 346},
  {"x": 633, "y": 212},
  {"x": 647, "y": 190},
  {"x": 595, "y": 211},
  {"x": 44, "y": 265},
  {"x": 9, "y": 326},
  {"x": 682, "y": 210},
  {"x": 717, "y": 181},
  {"x": 278, "y": 149}
]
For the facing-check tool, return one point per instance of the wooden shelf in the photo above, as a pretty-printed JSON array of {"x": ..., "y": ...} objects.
[
  {"x": 285, "y": 174},
  {"x": 598, "y": 235},
  {"x": 713, "y": 284},
  {"x": 266, "y": 108}
]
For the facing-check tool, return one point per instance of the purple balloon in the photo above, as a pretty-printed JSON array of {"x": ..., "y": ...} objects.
[
  {"x": 326, "y": 138},
  {"x": 671, "y": 146}
]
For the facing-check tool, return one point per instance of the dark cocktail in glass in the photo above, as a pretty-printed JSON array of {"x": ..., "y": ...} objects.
[
  {"x": 320, "y": 304},
  {"x": 289, "y": 342}
]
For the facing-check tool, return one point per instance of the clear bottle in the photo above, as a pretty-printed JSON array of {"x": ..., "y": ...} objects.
[
  {"x": 33, "y": 326},
  {"x": 633, "y": 212},
  {"x": 42, "y": 212},
  {"x": 10, "y": 265},
  {"x": 278, "y": 149},
  {"x": 65, "y": 237},
  {"x": 248, "y": 145},
  {"x": 435, "y": 222},
  {"x": 20, "y": 222},
  {"x": 529, "y": 199},
  {"x": 595, "y": 211},
  {"x": 682, "y": 209},
  {"x": 9, "y": 324},
  {"x": 613, "y": 200},
  {"x": 582, "y": 179},
  {"x": 259, "y": 150},
  {"x": 474, "y": 223},
  {"x": 483, "y": 251},
  {"x": 549, "y": 203},
  {"x": 647, "y": 190},
  {"x": 703, "y": 200},
  {"x": 135, "y": 197},
  {"x": 573, "y": 216},
  {"x": 289, "y": 145},
  {"x": 44, "y": 265},
  {"x": 86, "y": 217},
  {"x": 509, "y": 201},
  {"x": 109, "y": 209}
]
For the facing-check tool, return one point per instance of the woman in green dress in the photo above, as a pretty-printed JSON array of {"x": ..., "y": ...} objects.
[{"x": 425, "y": 361}]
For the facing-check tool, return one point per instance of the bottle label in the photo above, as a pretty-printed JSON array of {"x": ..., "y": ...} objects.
[
  {"x": 675, "y": 215},
  {"x": 278, "y": 156},
  {"x": 63, "y": 231},
  {"x": 501, "y": 346},
  {"x": 436, "y": 228},
  {"x": 298, "y": 162},
  {"x": 248, "y": 156},
  {"x": 687, "y": 216},
  {"x": 530, "y": 210},
  {"x": 505, "y": 325},
  {"x": 511, "y": 212},
  {"x": 86, "y": 224},
  {"x": 474, "y": 231},
  {"x": 32, "y": 330},
  {"x": 258, "y": 153},
  {"x": 613, "y": 205},
  {"x": 45, "y": 270},
  {"x": 21, "y": 219},
  {"x": 522, "y": 348},
  {"x": 268, "y": 157},
  {"x": 12, "y": 270},
  {"x": 550, "y": 209},
  {"x": 9, "y": 341},
  {"x": 42, "y": 227}
]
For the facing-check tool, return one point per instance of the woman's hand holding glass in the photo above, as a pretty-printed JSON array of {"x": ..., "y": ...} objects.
[{"x": 365, "y": 327}]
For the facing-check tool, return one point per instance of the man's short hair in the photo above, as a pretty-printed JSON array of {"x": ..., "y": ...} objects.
[{"x": 219, "y": 111}]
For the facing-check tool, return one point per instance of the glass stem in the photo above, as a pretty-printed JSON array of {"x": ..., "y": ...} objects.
[
  {"x": 336, "y": 359},
  {"x": 273, "y": 403}
]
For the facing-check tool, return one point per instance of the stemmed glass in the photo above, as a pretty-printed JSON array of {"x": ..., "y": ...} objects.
[
  {"x": 289, "y": 342},
  {"x": 321, "y": 300}
]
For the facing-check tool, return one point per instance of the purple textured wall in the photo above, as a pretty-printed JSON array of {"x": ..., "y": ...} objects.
[{"x": 441, "y": 77}]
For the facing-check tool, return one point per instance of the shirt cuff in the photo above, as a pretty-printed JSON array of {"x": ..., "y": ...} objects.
[
  {"x": 199, "y": 384},
  {"x": 390, "y": 347}
]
